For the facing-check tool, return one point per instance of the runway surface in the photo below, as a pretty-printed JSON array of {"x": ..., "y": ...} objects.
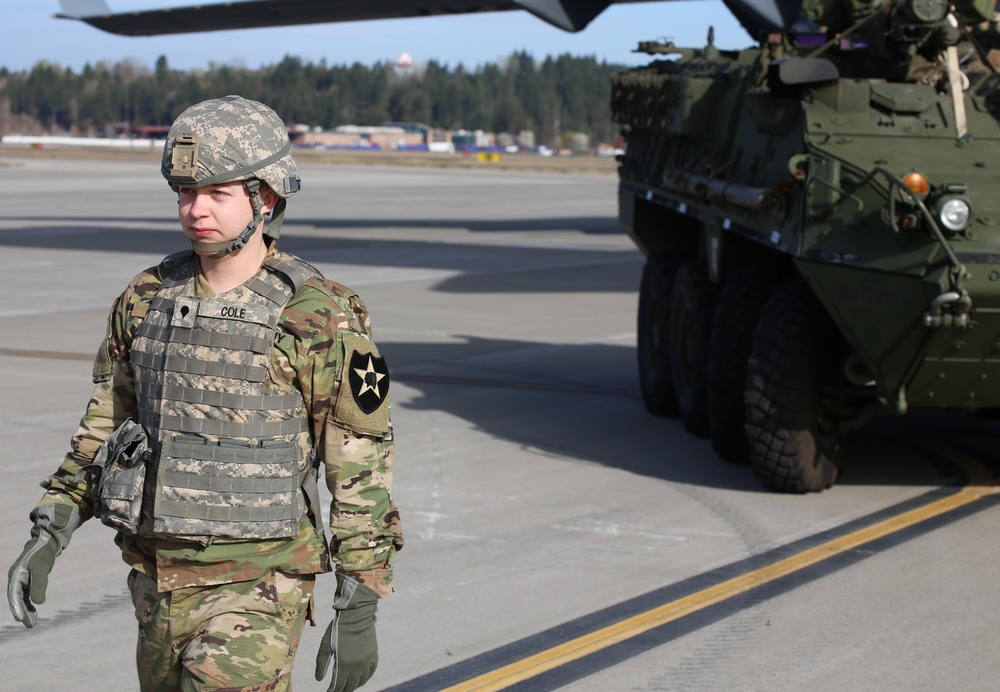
[{"x": 557, "y": 536}]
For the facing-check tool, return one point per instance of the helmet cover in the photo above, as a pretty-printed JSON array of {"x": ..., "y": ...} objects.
[{"x": 226, "y": 140}]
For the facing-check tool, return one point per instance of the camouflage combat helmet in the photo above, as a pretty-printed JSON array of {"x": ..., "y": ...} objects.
[{"x": 227, "y": 140}]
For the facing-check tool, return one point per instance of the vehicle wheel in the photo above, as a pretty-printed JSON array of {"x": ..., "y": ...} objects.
[
  {"x": 736, "y": 313},
  {"x": 691, "y": 308},
  {"x": 792, "y": 445},
  {"x": 655, "y": 378}
]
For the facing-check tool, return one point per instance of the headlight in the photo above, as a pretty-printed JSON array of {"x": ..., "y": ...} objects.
[{"x": 954, "y": 213}]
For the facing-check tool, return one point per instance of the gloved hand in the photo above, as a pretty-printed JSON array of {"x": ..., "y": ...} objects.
[
  {"x": 28, "y": 577},
  {"x": 350, "y": 639}
]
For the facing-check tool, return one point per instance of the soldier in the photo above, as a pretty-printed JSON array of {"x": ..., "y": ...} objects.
[{"x": 231, "y": 373}]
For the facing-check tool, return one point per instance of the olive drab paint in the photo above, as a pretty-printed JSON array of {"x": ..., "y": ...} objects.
[{"x": 820, "y": 217}]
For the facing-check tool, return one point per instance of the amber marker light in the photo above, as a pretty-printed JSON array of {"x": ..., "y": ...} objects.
[{"x": 916, "y": 183}]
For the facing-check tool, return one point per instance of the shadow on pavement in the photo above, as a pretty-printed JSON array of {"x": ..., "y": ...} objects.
[{"x": 510, "y": 396}]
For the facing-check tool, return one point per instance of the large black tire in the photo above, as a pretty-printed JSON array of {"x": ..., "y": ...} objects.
[
  {"x": 691, "y": 308},
  {"x": 736, "y": 313},
  {"x": 655, "y": 378},
  {"x": 793, "y": 446}
]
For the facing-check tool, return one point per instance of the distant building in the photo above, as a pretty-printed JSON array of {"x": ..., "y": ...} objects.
[
  {"x": 359, "y": 137},
  {"x": 473, "y": 139},
  {"x": 386, "y": 136}
]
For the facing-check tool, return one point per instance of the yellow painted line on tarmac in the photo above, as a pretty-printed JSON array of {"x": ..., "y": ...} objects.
[{"x": 981, "y": 484}]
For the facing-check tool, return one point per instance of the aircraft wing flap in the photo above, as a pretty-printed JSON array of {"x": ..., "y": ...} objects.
[
  {"x": 271, "y": 13},
  {"x": 757, "y": 16}
]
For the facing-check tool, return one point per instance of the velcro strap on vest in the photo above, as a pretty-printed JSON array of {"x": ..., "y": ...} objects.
[
  {"x": 227, "y": 454},
  {"x": 201, "y": 426},
  {"x": 228, "y": 484},
  {"x": 275, "y": 294},
  {"x": 160, "y": 303},
  {"x": 197, "y": 337},
  {"x": 176, "y": 268},
  {"x": 298, "y": 272},
  {"x": 245, "y": 402},
  {"x": 195, "y": 510},
  {"x": 191, "y": 366}
]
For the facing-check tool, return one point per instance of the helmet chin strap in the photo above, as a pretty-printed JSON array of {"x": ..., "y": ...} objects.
[{"x": 220, "y": 250}]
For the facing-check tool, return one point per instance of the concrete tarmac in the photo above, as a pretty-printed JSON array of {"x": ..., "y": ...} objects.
[{"x": 540, "y": 501}]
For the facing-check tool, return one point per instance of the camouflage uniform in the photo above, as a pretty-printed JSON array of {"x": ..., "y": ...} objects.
[
  {"x": 246, "y": 631},
  {"x": 227, "y": 611},
  {"x": 357, "y": 460}
]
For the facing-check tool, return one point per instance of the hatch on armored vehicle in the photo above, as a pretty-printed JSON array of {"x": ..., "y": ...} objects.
[{"x": 819, "y": 219}]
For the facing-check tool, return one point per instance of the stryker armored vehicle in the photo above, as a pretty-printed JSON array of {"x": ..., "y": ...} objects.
[{"x": 819, "y": 216}]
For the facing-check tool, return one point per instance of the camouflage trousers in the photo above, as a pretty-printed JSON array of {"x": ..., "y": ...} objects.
[{"x": 235, "y": 637}]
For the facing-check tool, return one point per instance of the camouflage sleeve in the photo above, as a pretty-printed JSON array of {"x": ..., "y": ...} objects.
[
  {"x": 111, "y": 403},
  {"x": 354, "y": 441}
]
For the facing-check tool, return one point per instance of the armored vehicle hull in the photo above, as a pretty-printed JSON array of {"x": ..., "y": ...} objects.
[{"x": 820, "y": 224}]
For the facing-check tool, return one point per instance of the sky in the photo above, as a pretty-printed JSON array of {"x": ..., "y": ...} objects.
[{"x": 32, "y": 34}]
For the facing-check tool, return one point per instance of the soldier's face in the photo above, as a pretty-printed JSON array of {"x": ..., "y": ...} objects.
[{"x": 215, "y": 213}]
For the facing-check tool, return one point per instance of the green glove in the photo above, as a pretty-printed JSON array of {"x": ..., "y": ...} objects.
[
  {"x": 350, "y": 639},
  {"x": 28, "y": 578}
]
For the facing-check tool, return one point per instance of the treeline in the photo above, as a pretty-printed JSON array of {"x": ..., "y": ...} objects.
[{"x": 553, "y": 97}]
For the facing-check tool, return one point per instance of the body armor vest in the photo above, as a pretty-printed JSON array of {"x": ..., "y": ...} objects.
[{"x": 232, "y": 446}]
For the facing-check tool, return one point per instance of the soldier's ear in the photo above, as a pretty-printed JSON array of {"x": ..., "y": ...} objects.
[{"x": 268, "y": 198}]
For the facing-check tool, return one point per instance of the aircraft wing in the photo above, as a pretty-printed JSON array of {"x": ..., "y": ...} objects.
[
  {"x": 570, "y": 15},
  {"x": 756, "y": 16}
]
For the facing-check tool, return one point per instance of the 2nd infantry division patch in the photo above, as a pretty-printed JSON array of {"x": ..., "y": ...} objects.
[
  {"x": 365, "y": 373},
  {"x": 369, "y": 378}
]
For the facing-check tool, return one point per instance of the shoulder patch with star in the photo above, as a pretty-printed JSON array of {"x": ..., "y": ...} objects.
[{"x": 362, "y": 404}]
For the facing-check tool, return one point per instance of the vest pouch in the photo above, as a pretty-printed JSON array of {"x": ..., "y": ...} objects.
[
  {"x": 122, "y": 459},
  {"x": 227, "y": 491}
]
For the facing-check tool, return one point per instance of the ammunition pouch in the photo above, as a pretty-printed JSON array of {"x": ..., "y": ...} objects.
[{"x": 118, "y": 486}]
